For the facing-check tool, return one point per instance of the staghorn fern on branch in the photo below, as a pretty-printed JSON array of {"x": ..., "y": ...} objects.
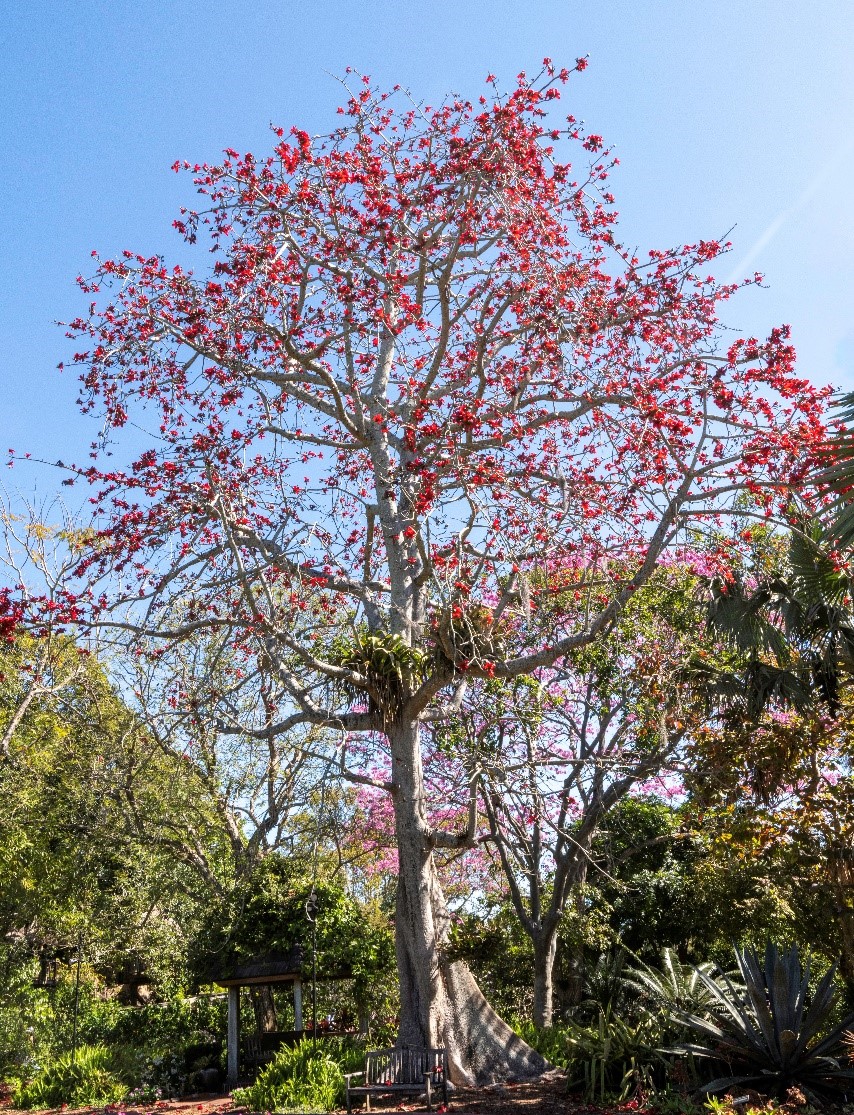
[{"x": 385, "y": 662}]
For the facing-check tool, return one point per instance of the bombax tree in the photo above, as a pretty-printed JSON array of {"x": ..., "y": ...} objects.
[{"x": 420, "y": 362}]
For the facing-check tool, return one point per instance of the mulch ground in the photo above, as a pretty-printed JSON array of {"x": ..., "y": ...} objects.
[{"x": 546, "y": 1096}]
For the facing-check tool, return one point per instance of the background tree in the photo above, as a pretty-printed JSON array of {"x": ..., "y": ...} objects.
[
  {"x": 354, "y": 941},
  {"x": 774, "y": 766},
  {"x": 422, "y": 363},
  {"x": 213, "y": 720},
  {"x": 661, "y": 875},
  {"x": 563, "y": 748},
  {"x": 74, "y": 881}
]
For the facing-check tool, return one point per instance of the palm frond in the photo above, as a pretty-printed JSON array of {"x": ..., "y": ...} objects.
[
  {"x": 835, "y": 477},
  {"x": 816, "y": 578}
]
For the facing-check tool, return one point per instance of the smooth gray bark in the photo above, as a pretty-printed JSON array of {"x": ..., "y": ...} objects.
[
  {"x": 545, "y": 947},
  {"x": 440, "y": 1001}
]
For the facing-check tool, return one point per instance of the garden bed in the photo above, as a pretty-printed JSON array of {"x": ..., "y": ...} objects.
[{"x": 547, "y": 1096}]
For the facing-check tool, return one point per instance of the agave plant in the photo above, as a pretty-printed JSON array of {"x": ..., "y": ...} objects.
[{"x": 768, "y": 1031}]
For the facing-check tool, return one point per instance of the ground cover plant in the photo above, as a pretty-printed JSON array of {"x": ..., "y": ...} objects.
[
  {"x": 611, "y": 1058},
  {"x": 88, "y": 1078},
  {"x": 306, "y": 1077}
]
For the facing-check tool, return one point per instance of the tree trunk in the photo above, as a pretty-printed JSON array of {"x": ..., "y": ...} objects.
[
  {"x": 264, "y": 1008},
  {"x": 569, "y": 988},
  {"x": 545, "y": 946},
  {"x": 572, "y": 989},
  {"x": 440, "y": 1001},
  {"x": 845, "y": 921}
]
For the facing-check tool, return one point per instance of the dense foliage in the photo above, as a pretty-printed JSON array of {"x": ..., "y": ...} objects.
[
  {"x": 86, "y": 1080},
  {"x": 304, "y": 1078}
]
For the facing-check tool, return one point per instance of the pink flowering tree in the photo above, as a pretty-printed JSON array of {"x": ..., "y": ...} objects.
[
  {"x": 544, "y": 758},
  {"x": 419, "y": 363},
  {"x": 553, "y": 753}
]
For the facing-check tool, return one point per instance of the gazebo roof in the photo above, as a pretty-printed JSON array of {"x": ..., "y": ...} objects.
[{"x": 271, "y": 967}]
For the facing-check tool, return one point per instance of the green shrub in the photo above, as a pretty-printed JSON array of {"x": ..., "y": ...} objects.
[
  {"x": 550, "y": 1042},
  {"x": 616, "y": 1057},
  {"x": 35, "y": 1024},
  {"x": 165, "y": 1027},
  {"x": 303, "y": 1078},
  {"x": 349, "y": 1052},
  {"x": 91, "y": 1078}
]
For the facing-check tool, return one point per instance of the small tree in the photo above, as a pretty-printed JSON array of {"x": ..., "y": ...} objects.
[
  {"x": 421, "y": 365},
  {"x": 560, "y": 753}
]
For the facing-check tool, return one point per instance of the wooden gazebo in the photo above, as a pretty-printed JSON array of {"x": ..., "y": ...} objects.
[{"x": 272, "y": 968}]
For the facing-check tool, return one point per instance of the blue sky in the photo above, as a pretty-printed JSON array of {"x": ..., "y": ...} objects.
[{"x": 725, "y": 113}]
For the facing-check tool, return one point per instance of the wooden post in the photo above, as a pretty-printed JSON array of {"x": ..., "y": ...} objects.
[
  {"x": 297, "y": 1004},
  {"x": 233, "y": 1035}
]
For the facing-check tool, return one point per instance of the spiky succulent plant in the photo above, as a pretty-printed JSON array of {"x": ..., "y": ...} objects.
[{"x": 771, "y": 1033}]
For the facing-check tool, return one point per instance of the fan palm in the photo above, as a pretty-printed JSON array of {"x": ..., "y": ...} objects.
[
  {"x": 792, "y": 635},
  {"x": 836, "y": 478}
]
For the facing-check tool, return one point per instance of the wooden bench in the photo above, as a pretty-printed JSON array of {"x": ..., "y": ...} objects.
[
  {"x": 256, "y": 1052},
  {"x": 407, "y": 1070}
]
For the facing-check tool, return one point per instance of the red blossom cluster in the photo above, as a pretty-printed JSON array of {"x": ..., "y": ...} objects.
[
  {"x": 11, "y": 615},
  {"x": 421, "y": 363}
]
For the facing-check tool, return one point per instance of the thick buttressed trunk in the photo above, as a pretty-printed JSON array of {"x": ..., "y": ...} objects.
[
  {"x": 544, "y": 962},
  {"x": 441, "y": 1004}
]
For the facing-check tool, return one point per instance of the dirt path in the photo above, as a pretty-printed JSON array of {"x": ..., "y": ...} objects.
[{"x": 546, "y": 1096}]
